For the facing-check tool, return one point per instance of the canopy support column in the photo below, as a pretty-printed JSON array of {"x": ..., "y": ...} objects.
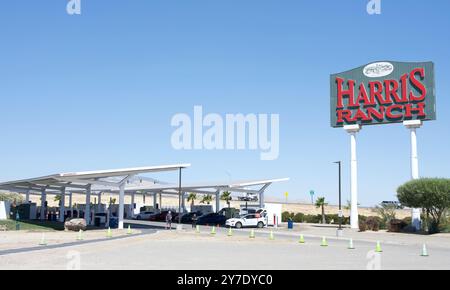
[
  {"x": 43, "y": 202},
  {"x": 87, "y": 211},
  {"x": 121, "y": 205},
  {"x": 62, "y": 205},
  {"x": 217, "y": 201},
  {"x": 132, "y": 203}
]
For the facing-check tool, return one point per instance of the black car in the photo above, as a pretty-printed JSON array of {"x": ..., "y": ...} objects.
[
  {"x": 212, "y": 219},
  {"x": 187, "y": 218}
]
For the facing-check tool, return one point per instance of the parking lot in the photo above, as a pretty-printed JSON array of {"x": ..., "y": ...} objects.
[{"x": 188, "y": 250}]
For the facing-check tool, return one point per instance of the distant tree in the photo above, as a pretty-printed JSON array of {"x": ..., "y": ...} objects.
[
  {"x": 226, "y": 196},
  {"x": 320, "y": 203},
  {"x": 431, "y": 194},
  {"x": 191, "y": 198},
  {"x": 206, "y": 199},
  {"x": 11, "y": 197}
]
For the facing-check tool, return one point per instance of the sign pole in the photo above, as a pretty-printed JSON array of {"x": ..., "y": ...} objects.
[
  {"x": 412, "y": 125},
  {"x": 353, "y": 130}
]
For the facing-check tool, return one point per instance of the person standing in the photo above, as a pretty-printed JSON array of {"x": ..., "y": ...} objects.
[
  {"x": 169, "y": 220},
  {"x": 194, "y": 221}
]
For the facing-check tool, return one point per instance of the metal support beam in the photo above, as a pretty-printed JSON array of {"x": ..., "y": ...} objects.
[
  {"x": 217, "y": 200},
  {"x": 121, "y": 205},
  {"x": 43, "y": 202},
  {"x": 261, "y": 194},
  {"x": 132, "y": 202},
  {"x": 62, "y": 205},
  {"x": 87, "y": 212},
  {"x": 70, "y": 204}
]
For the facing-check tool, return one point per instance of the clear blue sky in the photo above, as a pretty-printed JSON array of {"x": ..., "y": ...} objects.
[{"x": 98, "y": 91}]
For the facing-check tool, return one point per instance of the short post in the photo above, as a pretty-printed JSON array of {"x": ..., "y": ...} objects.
[{"x": 413, "y": 125}]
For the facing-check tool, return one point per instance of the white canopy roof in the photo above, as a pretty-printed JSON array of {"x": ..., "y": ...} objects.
[{"x": 80, "y": 181}]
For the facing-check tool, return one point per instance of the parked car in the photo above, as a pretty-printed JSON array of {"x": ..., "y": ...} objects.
[
  {"x": 101, "y": 216},
  {"x": 229, "y": 212},
  {"x": 144, "y": 215},
  {"x": 212, "y": 219},
  {"x": 187, "y": 218},
  {"x": 395, "y": 204},
  {"x": 248, "y": 197},
  {"x": 248, "y": 220}
]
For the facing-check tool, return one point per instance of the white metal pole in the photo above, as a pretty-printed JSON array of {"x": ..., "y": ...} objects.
[
  {"x": 354, "y": 220},
  {"x": 218, "y": 201},
  {"x": 413, "y": 125},
  {"x": 121, "y": 205},
  {"x": 414, "y": 157},
  {"x": 27, "y": 196},
  {"x": 62, "y": 205}
]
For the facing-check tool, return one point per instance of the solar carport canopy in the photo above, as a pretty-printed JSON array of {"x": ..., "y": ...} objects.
[
  {"x": 85, "y": 183},
  {"x": 102, "y": 180},
  {"x": 128, "y": 181}
]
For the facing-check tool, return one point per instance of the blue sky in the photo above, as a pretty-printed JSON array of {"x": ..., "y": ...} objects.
[{"x": 98, "y": 90}]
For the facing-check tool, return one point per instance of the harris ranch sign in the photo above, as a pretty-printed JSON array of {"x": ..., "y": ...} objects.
[{"x": 383, "y": 92}]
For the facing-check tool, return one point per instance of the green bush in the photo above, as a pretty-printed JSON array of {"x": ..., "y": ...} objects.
[
  {"x": 431, "y": 194},
  {"x": 11, "y": 197},
  {"x": 285, "y": 216},
  {"x": 298, "y": 218},
  {"x": 313, "y": 219}
]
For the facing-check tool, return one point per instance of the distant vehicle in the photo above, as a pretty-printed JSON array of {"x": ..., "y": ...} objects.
[
  {"x": 101, "y": 216},
  {"x": 248, "y": 197},
  {"x": 145, "y": 215},
  {"x": 249, "y": 210},
  {"x": 396, "y": 204},
  {"x": 229, "y": 212},
  {"x": 187, "y": 218},
  {"x": 212, "y": 219},
  {"x": 248, "y": 220}
]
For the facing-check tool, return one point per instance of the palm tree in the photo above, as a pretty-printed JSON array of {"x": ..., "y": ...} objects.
[
  {"x": 206, "y": 199},
  {"x": 320, "y": 203},
  {"x": 191, "y": 198},
  {"x": 226, "y": 196}
]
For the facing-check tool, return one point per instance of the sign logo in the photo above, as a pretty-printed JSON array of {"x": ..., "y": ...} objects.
[
  {"x": 378, "y": 69},
  {"x": 383, "y": 92}
]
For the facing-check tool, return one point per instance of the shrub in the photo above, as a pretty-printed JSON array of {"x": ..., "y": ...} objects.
[
  {"x": 285, "y": 216},
  {"x": 298, "y": 218},
  {"x": 373, "y": 223},
  {"x": 431, "y": 194},
  {"x": 362, "y": 226}
]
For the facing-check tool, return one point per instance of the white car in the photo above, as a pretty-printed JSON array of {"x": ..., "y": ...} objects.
[{"x": 248, "y": 220}]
